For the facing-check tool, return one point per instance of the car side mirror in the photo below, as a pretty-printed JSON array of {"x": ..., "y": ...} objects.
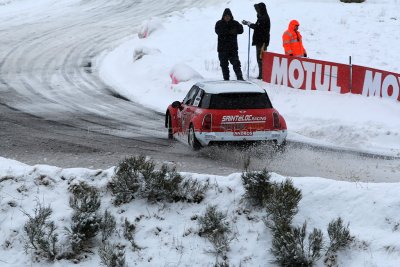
[{"x": 176, "y": 104}]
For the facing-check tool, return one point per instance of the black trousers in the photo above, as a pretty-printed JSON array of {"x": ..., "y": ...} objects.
[
  {"x": 259, "y": 59},
  {"x": 233, "y": 58}
]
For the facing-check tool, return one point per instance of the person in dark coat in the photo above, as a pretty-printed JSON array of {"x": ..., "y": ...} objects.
[
  {"x": 227, "y": 30},
  {"x": 261, "y": 33}
]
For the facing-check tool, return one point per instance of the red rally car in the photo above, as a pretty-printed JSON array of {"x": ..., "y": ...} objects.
[{"x": 225, "y": 111}]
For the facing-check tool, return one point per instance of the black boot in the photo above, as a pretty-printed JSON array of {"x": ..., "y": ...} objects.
[
  {"x": 225, "y": 74},
  {"x": 259, "y": 70},
  {"x": 260, "y": 75},
  {"x": 239, "y": 75}
]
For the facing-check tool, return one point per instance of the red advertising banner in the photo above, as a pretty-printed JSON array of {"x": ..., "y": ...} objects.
[
  {"x": 373, "y": 82},
  {"x": 305, "y": 73},
  {"x": 311, "y": 74}
]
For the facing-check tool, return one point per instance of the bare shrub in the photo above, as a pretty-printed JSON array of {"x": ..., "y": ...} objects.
[
  {"x": 107, "y": 225},
  {"x": 193, "y": 190},
  {"x": 289, "y": 246},
  {"x": 215, "y": 227},
  {"x": 340, "y": 238},
  {"x": 112, "y": 255},
  {"x": 257, "y": 186},
  {"x": 129, "y": 234},
  {"x": 41, "y": 233}
]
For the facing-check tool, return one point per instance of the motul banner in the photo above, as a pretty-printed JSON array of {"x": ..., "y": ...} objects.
[
  {"x": 311, "y": 74},
  {"x": 373, "y": 82},
  {"x": 304, "y": 73}
]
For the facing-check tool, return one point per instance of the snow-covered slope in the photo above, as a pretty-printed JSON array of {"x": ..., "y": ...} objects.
[{"x": 168, "y": 233}]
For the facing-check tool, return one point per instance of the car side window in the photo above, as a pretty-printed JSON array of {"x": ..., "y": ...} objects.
[
  {"x": 197, "y": 99},
  {"x": 205, "y": 100},
  {"x": 189, "y": 99}
]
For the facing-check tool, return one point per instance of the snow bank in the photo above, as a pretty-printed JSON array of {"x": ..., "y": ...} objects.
[{"x": 168, "y": 232}]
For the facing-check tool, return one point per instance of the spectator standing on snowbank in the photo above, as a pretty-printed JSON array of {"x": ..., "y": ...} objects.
[
  {"x": 227, "y": 30},
  {"x": 261, "y": 33},
  {"x": 292, "y": 41}
]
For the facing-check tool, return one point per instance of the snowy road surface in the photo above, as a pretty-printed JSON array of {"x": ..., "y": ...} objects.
[
  {"x": 47, "y": 72},
  {"x": 56, "y": 110}
]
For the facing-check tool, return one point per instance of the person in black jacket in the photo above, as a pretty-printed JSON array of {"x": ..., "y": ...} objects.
[
  {"x": 261, "y": 33},
  {"x": 227, "y": 30}
]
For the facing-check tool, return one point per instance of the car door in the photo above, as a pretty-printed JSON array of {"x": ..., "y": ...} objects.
[{"x": 187, "y": 111}]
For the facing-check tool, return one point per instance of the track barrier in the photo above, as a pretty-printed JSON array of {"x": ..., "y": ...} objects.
[{"x": 311, "y": 74}]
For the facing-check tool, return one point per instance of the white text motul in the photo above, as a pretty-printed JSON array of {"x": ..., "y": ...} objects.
[
  {"x": 325, "y": 75},
  {"x": 374, "y": 86}
]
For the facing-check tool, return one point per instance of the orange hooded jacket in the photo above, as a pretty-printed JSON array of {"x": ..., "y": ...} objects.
[{"x": 292, "y": 41}]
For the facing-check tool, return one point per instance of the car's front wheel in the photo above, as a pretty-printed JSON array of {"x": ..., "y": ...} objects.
[{"x": 192, "y": 140}]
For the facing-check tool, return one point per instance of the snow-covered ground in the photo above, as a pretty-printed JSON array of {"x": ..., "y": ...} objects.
[
  {"x": 332, "y": 31},
  {"x": 168, "y": 233}
]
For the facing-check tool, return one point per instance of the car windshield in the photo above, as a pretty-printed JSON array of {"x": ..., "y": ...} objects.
[{"x": 239, "y": 101}]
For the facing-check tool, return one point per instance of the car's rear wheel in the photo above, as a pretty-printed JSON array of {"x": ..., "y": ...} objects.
[
  {"x": 169, "y": 126},
  {"x": 192, "y": 140}
]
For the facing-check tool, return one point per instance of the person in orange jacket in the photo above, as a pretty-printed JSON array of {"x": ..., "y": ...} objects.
[{"x": 292, "y": 41}]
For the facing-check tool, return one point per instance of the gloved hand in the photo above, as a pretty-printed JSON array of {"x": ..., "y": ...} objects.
[
  {"x": 305, "y": 54},
  {"x": 245, "y": 22}
]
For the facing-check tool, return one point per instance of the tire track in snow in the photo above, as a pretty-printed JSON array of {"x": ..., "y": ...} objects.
[{"x": 103, "y": 24}]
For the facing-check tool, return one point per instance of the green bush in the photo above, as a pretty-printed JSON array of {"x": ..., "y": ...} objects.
[
  {"x": 289, "y": 245},
  {"x": 85, "y": 198},
  {"x": 107, "y": 225},
  {"x": 283, "y": 203},
  {"x": 112, "y": 255},
  {"x": 127, "y": 178},
  {"x": 161, "y": 185},
  {"x": 339, "y": 235},
  {"x": 290, "y": 248},
  {"x": 137, "y": 177},
  {"x": 86, "y": 221},
  {"x": 258, "y": 187}
]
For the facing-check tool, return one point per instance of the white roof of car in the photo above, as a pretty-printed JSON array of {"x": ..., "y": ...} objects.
[{"x": 217, "y": 87}]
